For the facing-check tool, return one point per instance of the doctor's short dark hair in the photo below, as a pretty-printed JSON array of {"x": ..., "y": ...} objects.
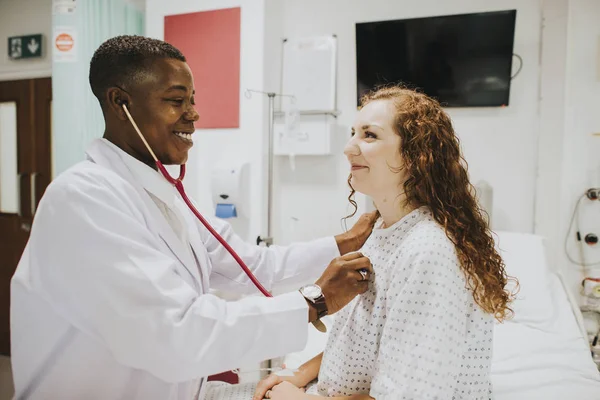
[{"x": 122, "y": 60}]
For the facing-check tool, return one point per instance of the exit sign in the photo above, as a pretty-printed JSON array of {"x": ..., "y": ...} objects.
[{"x": 26, "y": 46}]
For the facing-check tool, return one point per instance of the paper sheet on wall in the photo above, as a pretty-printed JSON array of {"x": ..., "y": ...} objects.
[
  {"x": 64, "y": 6},
  {"x": 309, "y": 72}
]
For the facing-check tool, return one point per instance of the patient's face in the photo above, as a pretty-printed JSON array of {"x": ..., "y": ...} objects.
[{"x": 374, "y": 152}]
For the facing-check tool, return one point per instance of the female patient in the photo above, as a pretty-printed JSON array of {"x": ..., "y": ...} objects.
[{"x": 424, "y": 328}]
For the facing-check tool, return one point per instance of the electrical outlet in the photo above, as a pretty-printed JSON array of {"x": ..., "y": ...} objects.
[{"x": 590, "y": 292}]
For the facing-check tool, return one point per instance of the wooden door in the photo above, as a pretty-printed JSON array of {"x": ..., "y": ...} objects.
[{"x": 25, "y": 172}]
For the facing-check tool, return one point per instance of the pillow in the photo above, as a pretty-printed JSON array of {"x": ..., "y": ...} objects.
[{"x": 525, "y": 259}]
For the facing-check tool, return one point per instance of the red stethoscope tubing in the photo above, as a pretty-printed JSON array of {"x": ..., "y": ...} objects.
[
  {"x": 178, "y": 183},
  {"x": 179, "y": 186}
]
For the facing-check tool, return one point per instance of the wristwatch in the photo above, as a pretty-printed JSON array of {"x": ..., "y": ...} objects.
[{"x": 314, "y": 294}]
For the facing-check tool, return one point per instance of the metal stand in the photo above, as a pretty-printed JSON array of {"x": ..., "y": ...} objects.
[{"x": 268, "y": 240}]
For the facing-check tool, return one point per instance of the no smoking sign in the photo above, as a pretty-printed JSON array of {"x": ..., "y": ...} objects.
[{"x": 64, "y": 44}]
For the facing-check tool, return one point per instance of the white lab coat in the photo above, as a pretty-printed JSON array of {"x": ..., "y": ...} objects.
[{"x": 108, "y": 303}]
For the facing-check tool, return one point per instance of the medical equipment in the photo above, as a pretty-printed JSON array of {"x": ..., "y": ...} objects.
[
  {"x": 178, "y": 183},
  {"x": 230, "y": 187},
  {"x": 574, "y": 227},
  {"x": 312, "y": 135},
  {"x": 269, "y": 239},
  {"x": 590, "y": 291}
]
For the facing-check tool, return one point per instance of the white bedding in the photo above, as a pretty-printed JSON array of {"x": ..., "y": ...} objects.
[{"x": 541, "y": 353}]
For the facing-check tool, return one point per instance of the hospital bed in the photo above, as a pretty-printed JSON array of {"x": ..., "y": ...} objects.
[{"x": 541, "y": 353}]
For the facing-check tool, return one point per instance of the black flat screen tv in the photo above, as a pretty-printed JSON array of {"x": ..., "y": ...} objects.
[{"x": 462, "y": 60}]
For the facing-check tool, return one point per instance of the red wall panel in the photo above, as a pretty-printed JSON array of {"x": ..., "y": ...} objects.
[{"x": 210, "y": 41}]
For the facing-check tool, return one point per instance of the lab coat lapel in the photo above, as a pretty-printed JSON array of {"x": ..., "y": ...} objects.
[
  {"x": 103, "y": 155},
  {"x": 198, "y": 249}
]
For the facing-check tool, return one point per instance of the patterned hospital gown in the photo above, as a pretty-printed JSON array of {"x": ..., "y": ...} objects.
[{"x": 417, "y": 333}]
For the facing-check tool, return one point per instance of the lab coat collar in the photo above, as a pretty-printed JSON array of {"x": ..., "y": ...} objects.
[
  {"x": 149, "y": 178},
  {"x": 103, "y": 152}
]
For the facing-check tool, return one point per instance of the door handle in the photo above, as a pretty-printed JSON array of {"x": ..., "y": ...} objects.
[
  {"x": 19, "y": 210},
  {"x": 32, "y": 182},
  {"x": 32, "y": 193}
]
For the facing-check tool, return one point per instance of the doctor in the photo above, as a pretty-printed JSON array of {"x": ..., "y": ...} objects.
[{"x": 111, "y": 297}]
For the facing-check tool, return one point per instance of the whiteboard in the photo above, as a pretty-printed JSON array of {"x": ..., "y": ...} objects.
[{"x": 309, "y": 72}]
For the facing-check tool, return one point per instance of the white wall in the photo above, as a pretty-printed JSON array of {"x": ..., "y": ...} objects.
[
  {"x": 213, "y": 146},
  {"x": 24, "y": 17},
  {"x": 552, "y": 124},
  {"x": 580, "y": 167},
  {"x": 538, "y": 153},
  {"x": 500, "y": 144}
]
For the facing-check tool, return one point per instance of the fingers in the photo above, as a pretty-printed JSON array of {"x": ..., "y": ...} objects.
[
  {"x": 265, "y": 385},
  {"x": 282, "y": 391},
  {"x": 371, "y": 217},
  {"x": 360, "y": 263},
  {"x": 351, "y": 256},
  {"x": 359, "y": 267},
  {"x": 362, "y": 286}
]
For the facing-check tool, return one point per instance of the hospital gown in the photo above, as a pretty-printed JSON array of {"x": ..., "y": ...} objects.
[{"x": 417, "y": 332}]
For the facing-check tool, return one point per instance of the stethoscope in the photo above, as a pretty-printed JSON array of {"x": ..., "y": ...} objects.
[{"x": 178, "y": 183}]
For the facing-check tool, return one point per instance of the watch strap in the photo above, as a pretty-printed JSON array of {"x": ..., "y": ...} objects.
[{"x": 319, "y": 325}]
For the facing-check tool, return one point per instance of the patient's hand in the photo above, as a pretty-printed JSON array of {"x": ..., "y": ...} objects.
[
  {"x": 269, "y": 382},
  {"x": 286, "y": 391},
  {"x": 266, "y": 384}
]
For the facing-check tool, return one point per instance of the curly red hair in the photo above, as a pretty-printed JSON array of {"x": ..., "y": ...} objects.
[{"x": 438, "y": 178}]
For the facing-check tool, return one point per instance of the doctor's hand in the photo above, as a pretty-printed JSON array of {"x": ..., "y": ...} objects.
[
  {"x": 354, "y": 239},
  {"x": 343, "y": 280}
]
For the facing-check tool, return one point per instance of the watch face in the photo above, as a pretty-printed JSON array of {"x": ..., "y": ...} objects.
[{"x": 311, "y": 291}]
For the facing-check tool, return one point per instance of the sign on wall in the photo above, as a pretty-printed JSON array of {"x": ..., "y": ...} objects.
[
  {"x": 64, "y": 44},
  {"x": 26, "y": 46}
]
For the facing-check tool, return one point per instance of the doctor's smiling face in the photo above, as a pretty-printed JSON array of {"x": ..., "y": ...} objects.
[
  {"x": 152, "y": 79},
  {"x": 162, "y": 105}
]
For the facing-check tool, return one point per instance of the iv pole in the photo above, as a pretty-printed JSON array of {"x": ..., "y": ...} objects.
[{"x": 268, "y": 240}]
